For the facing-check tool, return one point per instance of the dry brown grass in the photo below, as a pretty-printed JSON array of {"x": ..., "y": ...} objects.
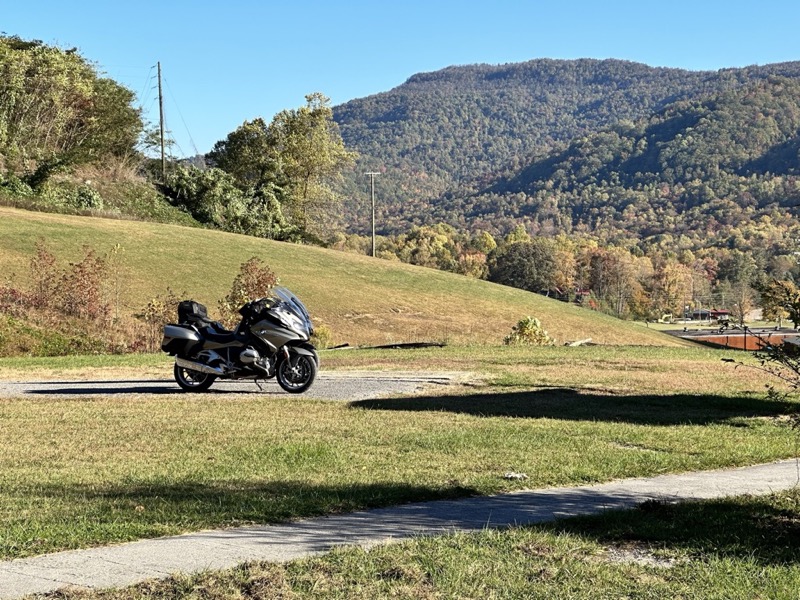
[{"x": 362, "y": 300}]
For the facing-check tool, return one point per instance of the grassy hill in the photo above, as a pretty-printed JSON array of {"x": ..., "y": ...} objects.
[{"x": 362, "y": 300}]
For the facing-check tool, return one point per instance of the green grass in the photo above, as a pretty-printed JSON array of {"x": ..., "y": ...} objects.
[
  {"x": 363, "y": 300},
  {"x": 740, "y": 548},
  {"x": 79, "y": 472}
]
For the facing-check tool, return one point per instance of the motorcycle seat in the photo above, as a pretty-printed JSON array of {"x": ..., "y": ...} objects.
[
  {"x": 215, "y": 332},
  {"x": 219, "y": 338}
]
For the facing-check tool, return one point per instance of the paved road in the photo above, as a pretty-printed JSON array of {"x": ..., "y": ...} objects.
[
  {"x": 126, "y": 564},
  {"x": 340, "y": 385}
]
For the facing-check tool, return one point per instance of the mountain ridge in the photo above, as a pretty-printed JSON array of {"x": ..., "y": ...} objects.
[{"x": 461, "y": 126}]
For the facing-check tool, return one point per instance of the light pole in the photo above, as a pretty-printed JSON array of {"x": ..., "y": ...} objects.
[{"x": 372, "y": 188}]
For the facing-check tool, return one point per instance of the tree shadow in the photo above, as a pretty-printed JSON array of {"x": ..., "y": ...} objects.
[
  {"x": 763, "y": 529},
  {"x": 81, "y": 515},
  {"x": 577, "y": 405},
  {"x": 270, "y": 501}
]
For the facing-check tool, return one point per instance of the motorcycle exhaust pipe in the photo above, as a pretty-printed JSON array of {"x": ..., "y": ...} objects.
[{"x": 196, "y": 366}]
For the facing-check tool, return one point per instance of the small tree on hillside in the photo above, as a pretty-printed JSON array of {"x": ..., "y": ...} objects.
[
  {"x": 255, "y": 280},
  {"x": 525, "y": 265}
]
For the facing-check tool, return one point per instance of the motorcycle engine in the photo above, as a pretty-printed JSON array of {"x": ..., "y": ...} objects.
[{"x": 249, "y": 355}]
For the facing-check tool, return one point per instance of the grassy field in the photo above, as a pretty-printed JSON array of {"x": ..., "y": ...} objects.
[
  {"x": 83, "y": 471},
  {"x": 742, "y": 548},
  {"x": 78, "y": 472},
  {"x": 362, "y": 300}
]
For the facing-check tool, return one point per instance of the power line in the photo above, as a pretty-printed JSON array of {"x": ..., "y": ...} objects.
[
  {"x": 147, "y": 80},
  {"x": 180, "y": 114}
]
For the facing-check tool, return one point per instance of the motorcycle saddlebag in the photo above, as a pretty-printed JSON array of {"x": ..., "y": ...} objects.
[
  {"x": 193, "y": 312},
  {"x": 180, "y": 340}
]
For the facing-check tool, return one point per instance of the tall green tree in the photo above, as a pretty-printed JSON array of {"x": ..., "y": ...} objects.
[
  {"x": 55, "y": 111},
  {"x": 249, "y": 154},
  {"x": 296, "y": 157},
  {"x": 525, "y": 265},
  {"x": 311, "y": 152}
]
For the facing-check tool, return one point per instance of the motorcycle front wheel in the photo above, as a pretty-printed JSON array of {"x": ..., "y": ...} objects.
[
  {"x": 193, "y": 381},
  {"x": 298, "y": 379}
]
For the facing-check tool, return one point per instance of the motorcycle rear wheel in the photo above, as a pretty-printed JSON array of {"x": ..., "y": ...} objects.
[
  {"x": 298, "y": 379},
  {"x": 193, "y": 381}
]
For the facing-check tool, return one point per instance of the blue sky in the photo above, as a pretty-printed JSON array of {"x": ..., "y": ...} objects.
[{"x": 227, "y": 62}]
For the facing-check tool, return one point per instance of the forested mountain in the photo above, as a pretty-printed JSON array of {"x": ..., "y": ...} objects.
[
  {"x": 707, "y": 171},
  {"x": 461, "y": 126}
]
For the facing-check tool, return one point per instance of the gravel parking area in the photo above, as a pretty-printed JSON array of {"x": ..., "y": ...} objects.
[{"x": 345, "y": 385}]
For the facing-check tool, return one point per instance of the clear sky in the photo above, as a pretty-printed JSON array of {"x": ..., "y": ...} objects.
[{"x": 227, "y": 62}]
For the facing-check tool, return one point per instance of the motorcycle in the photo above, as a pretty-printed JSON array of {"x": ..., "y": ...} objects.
[{"x": 272, "y": 340}]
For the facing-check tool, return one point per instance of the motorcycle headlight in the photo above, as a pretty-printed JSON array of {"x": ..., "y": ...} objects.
[{"x": 290, "y": 320}]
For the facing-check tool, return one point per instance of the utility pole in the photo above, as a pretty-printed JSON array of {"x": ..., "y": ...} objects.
[
  {"x": 372, "y": 187},
  {"x": 161, "y": 121}
]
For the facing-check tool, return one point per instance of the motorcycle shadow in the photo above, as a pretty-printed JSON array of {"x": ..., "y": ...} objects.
[{"x": 119, "y": 387}]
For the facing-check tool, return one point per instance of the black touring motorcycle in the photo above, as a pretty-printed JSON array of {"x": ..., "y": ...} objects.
[{"x": 272, "y": 340}]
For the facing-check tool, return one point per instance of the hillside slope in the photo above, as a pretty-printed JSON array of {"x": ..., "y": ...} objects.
[
  {"x": 705, "y": 169},
  {"x": 363, "y": 300},
  {"x": 460, "y": 125}
]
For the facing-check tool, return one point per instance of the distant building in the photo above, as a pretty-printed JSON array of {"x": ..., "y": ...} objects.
[{"x": 703, "y": 314}]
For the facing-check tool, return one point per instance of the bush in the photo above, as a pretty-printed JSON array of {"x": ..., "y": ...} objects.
[
  {"x": 15, "y": 186},
  {"x": 89, "y": 198},
  {"x": 158, "y": 312},
  {"x": 64, "y": 311},
  {"x": 528, "y": 332},
  {"x": 212, "y": 197},
  {"x": 323, "y": 337},
  {"x": 255, "y": 280}
]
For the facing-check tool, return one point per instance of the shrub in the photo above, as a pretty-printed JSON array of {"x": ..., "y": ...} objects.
[
  {"x": 528, "y": 332},
  {"x": 158, "y": 312},
  {"x": 45, "y": 276},
  {"x": 83, "y": 288},
  {"x": 88, "y": 197},
  {"x": 255, "y": 280},
  {"x": 64, "y": 310},
  {"x": 15, "y": 186},
  {"x": 323, "y": 337}
]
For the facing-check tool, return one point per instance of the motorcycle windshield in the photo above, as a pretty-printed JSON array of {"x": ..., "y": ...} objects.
[{"x": 293, "y": 302}]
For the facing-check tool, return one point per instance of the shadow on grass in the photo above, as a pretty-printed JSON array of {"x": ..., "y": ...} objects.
[
  {"x": 82, "y": 515},
  {"x": 575, "y": 405},
  {"x": 763, "y": 529},
  {"x": 243, "y": 501}
]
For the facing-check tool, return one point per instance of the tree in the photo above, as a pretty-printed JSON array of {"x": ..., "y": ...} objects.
[
  {"x": 741, "y": 299},
  {"x": 248, "y": 154},
  {"x": 56, "y": 112},
  {"x": 518, "y": 234},
  {"x": 295, "y": 158},
  {"x": 525, "y": 265},
  {"x": 673, "y": 286},
  {"x": 311, "y": 154},
  {"x": 779, "y": 299}
]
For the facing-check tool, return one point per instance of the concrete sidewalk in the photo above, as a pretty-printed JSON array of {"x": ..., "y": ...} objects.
[{"x": 126, "y": 564}]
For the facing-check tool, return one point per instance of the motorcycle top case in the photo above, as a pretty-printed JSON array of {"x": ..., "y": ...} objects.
[
  {"x": 190, "y": 311},
  {"x": 180, "y": 340}
]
